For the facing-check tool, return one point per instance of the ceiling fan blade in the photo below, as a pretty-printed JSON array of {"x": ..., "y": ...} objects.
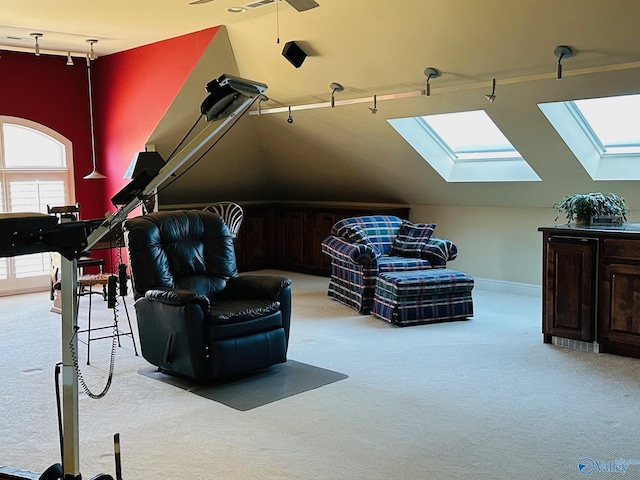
[
  {"x": 302, "y": 5},
  {"x": 198, "y": 2}
]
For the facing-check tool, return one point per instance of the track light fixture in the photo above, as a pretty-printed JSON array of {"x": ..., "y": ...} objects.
[
  {"x": 289, "y": 118},
  {"x": 430, "y": 73},
  {"x": 37, "y": 36},
  {"x": 562, "y": 51},
  {"x": 492, "y": 96},
  {"x": 374, "y": 109},
  {"x": 335, "y": 87},
  {"x": 69, "y": 59},
  {"x": 92, "y": 54}
]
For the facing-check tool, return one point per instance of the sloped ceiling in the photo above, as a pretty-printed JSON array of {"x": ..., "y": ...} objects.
[
  {"x": 382, "y": 47},
  {"x": 347, "y": 154}
]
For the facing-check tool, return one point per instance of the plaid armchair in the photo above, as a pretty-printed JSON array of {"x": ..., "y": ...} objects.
[{"x": 362, "y": 247}]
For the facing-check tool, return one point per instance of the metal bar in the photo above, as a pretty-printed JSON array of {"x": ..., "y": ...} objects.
[
  {"x": 352, "y": 101},
  {"x": 202, "y": 140},
  {"x": 70, "y": 447},
  {"x": 453, "y": 88}
]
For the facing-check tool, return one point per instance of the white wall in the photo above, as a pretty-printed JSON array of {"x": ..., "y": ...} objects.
[{"x": 494, "y": 243}]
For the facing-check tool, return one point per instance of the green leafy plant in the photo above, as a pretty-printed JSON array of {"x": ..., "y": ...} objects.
[{"x": 582, "y": 206}]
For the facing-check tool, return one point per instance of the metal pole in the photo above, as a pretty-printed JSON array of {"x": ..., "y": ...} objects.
[{"x": 70, "y": 447}]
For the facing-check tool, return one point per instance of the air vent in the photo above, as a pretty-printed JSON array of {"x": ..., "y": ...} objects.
[{"x": 576, "y": 344}]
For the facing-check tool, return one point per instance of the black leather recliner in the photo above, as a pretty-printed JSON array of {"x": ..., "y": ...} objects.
[{"x": 197, "y": 318}]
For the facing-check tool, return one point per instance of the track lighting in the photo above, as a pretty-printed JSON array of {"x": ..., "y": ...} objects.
[
  {"x": 92, "y": 53},
  {"x": 289, "y": 118},
  {"x": 430, "y": 73},
  {"x": 492, "y": 96},
  {"x": 562, "y": 51},
  {"x": 374, "y": 109},
  {"x": 37, "y": 48},
  {"x": 335, "y": 87},
  {"x": 69, "y": 59}
]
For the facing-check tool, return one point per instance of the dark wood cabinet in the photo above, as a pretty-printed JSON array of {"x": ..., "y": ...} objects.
[
  {"x": 317, "y": 227},
  {"x": 619, "y": 324},
  {"x": 289, "y": 237},
  {"x": 591, "y": 286},
  {"x": 570, "y": 286},
  {"x": 254, "y": 242}
]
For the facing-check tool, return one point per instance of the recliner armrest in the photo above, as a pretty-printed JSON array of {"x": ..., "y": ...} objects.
[
  {"x": 178, "y": 297},
  {"x": 439, "y": 251},
  {"x": 270, "y": 287},
  {"x": 254, "y": 286},
  {"x": 345, "y": 251}
]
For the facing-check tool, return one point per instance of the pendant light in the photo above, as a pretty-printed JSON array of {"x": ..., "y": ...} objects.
[{"x": 94, "y": 175}]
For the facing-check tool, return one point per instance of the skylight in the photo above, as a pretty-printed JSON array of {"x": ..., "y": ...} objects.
[
  {"x": 465, "y": 147},
  {"x": 602, "y": 133},
  {"x": 471, "y": 135},
  {"x": 614, "y": 121}
]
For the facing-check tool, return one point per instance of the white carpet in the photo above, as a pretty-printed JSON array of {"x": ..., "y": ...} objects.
[{"x": 478, "y": 399}]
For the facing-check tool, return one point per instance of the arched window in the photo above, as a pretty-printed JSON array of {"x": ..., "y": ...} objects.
[{"x": 36, "y": 170}]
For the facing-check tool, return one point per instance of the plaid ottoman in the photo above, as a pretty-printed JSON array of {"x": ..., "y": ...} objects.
[{"x": 423, "y": 296}]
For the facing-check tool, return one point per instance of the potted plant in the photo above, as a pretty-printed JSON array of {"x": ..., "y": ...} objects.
[{"x": 583, "y": 206}]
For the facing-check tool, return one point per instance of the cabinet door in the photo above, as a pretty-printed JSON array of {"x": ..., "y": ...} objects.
[
  {"x": 570, "y": 288},
  {"x": 252, "y": 244},
  {"x": 317, "y": 227},
  {"x": 620, "y": 304},
  {"x": 288, "y": 237}
]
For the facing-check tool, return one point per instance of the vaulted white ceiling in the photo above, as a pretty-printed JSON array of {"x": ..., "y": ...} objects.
[{"x": 376, "y": 47}]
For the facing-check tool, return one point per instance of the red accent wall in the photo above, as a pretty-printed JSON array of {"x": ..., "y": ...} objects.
[
  {"x": 133, "y": 90},
  {"x": 47, "y": 91}
]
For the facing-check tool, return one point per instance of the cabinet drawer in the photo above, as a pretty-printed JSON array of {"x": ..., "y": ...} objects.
[{"x": 622, "y": 248}]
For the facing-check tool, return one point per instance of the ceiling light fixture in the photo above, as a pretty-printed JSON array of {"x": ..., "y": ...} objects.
[
  {"x": 36, "y": 36},
  {"x": 236, "y": 9},
  {"x": 94, "y": 175},
  {"x": 492, "y": 96},
  {"x": 69, "y": 59},
  {"x": 562, "y": 51},
  {"x": 374, "y": 109},
  {"x": 430, "y": 73},
  {"x": 335, "y": 87},
  {"x": 92, "y": 53}
]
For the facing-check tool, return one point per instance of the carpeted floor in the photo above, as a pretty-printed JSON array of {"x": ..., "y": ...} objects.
[{"x": 478, "y": 399}]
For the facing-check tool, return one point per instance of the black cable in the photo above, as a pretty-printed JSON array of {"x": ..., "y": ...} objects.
[
  {"x": 83, "y": 383},
  {"x": 76, "y": 366},
  {"x": 200, "y": 117},
  {"x": 238, "y": 117},
  {"x": 59, "y": 408}
]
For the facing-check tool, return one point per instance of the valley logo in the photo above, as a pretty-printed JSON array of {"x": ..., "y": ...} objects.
[{"x": 587, "y": 465}]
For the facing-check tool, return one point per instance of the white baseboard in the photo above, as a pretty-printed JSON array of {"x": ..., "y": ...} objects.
[{"x": 517, "y": 288}]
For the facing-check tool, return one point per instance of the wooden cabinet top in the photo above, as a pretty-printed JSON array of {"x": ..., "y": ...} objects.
[{"x": 626, "y": 230}]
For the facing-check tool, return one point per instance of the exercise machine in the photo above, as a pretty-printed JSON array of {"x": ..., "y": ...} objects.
[{"x": 229, "y": 98}]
